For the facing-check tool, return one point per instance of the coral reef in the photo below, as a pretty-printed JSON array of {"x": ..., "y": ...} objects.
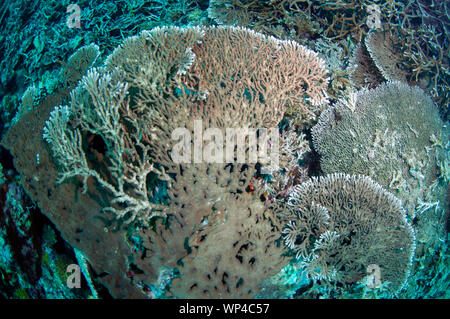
[
  {"x": 414, "y": 33},
  {"x": 247, "y": 254},
  {"x": 124, "y": 114},
  {"x": 135, "y": 127},
  {"x": 124, "y": 186},
  {"x": 385, "y": 133},
  {"x": 77, "y": 220},
  {"x": 339, "y": 225},
  {"x": 385, "y": 51},
  {"x": 275, "y": 183},
  {"x": 31, "y": 264},
  {"x": 278, "y": 18},
  {"x": 302, "y": 19},
  {"x": 37, "y": 37},
  {"x": 418, "y": 34}
]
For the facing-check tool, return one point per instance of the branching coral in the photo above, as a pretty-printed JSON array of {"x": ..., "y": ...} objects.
[
  {"x": 414, "y": 33},
  {"x": 203, "y": 230},
  {"x": 118, "y": 131},
  {"x": 421, "y": 28},
  {"x": 288, "y": 172},
  {"x": 100, "y": 116},
  {"x": 340, "y": 224},
  {"x": 78, "y": 64},
  {"x": 279, "y": 18},
  {"x": 301, "y": 18},
  {"x": 128, "y": 124},
  {"x": 406, "y": 57}
]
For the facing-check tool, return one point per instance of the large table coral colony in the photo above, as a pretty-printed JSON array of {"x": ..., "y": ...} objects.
[
  {"x": 222, "y": 239},
  {"x": 107, "y": 177}
]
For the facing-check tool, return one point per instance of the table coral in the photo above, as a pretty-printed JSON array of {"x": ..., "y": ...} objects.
[
  {"x": 115, "y": 135},
  {"x": 386, "y": 135},
  {"x": 339, "y": 225}
]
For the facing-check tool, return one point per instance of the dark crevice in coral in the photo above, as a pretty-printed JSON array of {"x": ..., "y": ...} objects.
[{"x": 311, "y": 159}]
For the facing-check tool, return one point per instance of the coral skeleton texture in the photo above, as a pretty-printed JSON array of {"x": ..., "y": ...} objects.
[
  {"x": 225, "y": 148},
  {"x": 125, "y": 114},
  {"x": 340, "y": 224},
  {"x": 385, "y": 134},
  {"x": 136, "y": 101}
]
